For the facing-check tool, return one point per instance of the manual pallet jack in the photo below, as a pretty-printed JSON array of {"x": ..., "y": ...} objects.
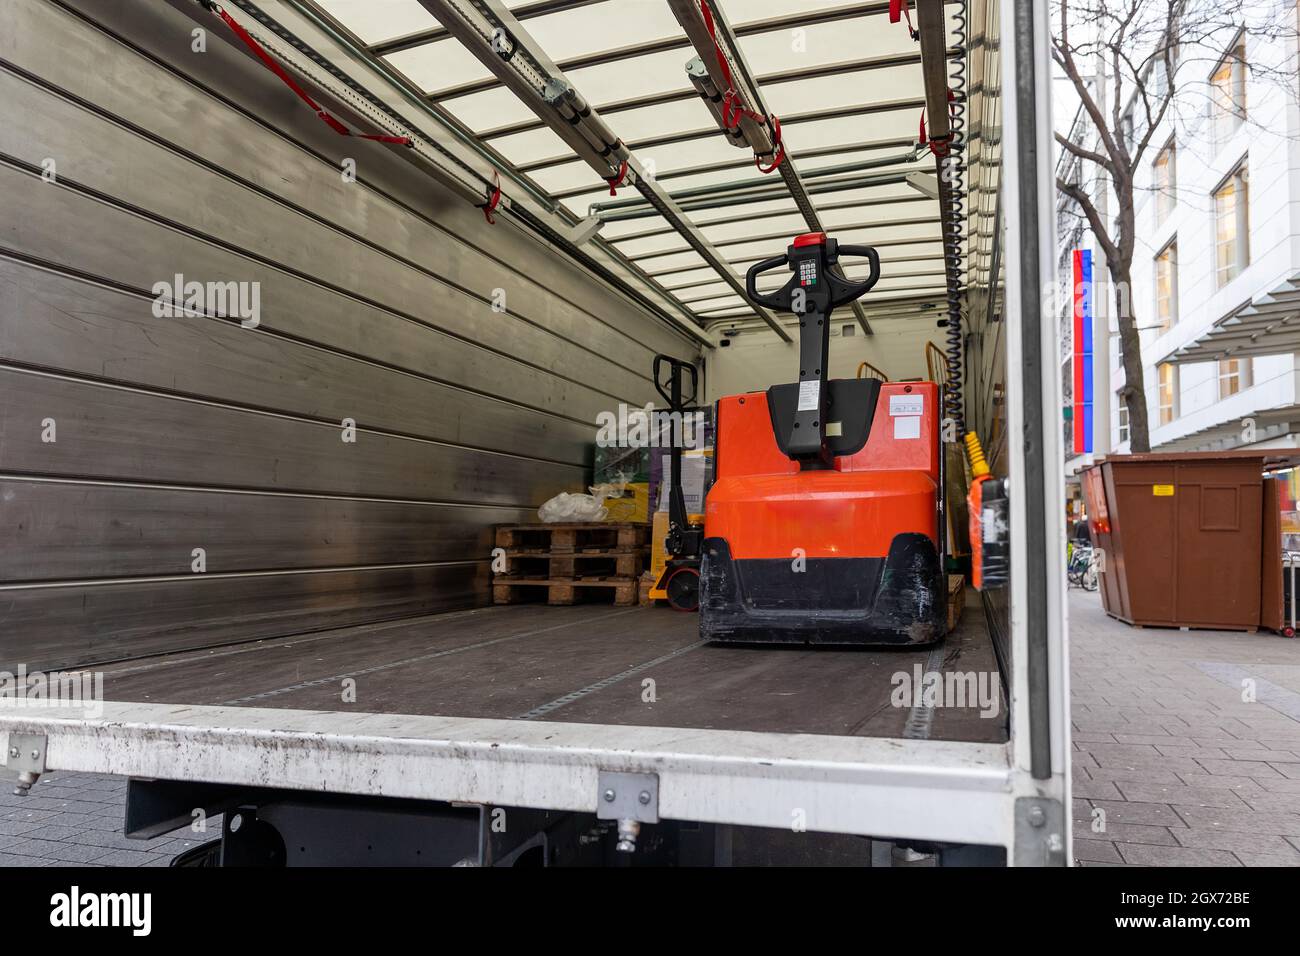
[{"x": 679, "y": 582}]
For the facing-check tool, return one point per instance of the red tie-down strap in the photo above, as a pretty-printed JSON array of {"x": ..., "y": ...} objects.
[
  {"x": 493, "y": 199},
  {"x": 732, "y": 107},
  {"x": 616, "y": 181},
  {"x": 777, "y": 145},
  {"x": 331, "y": 121},
  {"x": 900, "y": 8},
  {"x": 937, "y": 146}
]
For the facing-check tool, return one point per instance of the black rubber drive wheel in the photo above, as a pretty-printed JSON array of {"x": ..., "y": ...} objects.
[{"x": 683, "y": 589}]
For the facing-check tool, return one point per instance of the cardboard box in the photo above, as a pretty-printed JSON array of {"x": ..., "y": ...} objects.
[
  {"x": 695, "y": 474},
  {"x": 617, "y": 463},
  {"x": 636, "y": 463},
  {"x": 633, "y": 506}
]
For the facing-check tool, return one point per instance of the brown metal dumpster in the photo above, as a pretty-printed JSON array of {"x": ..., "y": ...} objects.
[{"x": 1182, "y": 537}]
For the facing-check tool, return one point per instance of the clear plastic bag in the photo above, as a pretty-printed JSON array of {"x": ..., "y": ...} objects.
[{"x": 565, "y": 508}]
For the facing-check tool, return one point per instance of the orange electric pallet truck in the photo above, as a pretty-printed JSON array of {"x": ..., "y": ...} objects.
[{"x": 823, "y": 522}]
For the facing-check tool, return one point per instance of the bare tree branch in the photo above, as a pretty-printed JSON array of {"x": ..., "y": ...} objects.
[
  {"x": 1145, "y": 56},
  {"x": 1064, "y": 55},
  {"x": 1084, "y": 153},
  {"x": 1095, "y": 220}
]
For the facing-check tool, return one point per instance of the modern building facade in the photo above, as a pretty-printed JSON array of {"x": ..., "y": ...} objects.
[{"x": 1216, "y": 273}]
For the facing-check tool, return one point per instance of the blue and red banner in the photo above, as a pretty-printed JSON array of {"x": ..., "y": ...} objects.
[{"x": 1082, "y": 364}]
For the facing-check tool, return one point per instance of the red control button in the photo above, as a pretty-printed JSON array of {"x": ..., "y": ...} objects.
[{"x": 810, "y": 239}]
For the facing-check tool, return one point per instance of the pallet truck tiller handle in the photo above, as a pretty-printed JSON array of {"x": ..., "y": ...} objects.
[
  {"x": 842, "y": 291},
  {"x": 816, "y": 286},
  {"x": 671, "y": 390},
  {"x": 682, "y": 539}
]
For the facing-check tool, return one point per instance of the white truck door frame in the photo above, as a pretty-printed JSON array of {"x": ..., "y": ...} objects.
[{"x": 1040, "y": 690}]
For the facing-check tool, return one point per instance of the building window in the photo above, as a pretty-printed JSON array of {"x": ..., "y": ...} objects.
[
  {"x": 1168, "y": 393},
  {"x": 1234, "y": 376},
  {"x": 1232, "y": 226},
  {"x": 1159, "y": 78},
  {"x": 1123, "y": 418},
  {"x": 1167, "y": 287},
  {"x": 1228, "y": 93},
  {"x": 1166, "y": 183}
]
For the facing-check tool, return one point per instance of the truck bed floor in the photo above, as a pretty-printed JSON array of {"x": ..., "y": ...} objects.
[{"x": 582, "y": 664}]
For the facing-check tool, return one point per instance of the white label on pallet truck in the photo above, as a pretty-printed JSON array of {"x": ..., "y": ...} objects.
[
  {"x": 907, "y": 426},
  {"x": 907, "y": 404},
  {"x": 906, "y": 411},
  {"x": 808, "y": 395}
]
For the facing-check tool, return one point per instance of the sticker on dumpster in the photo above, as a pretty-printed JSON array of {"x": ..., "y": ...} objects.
[{"x": 1162, "y": 491}]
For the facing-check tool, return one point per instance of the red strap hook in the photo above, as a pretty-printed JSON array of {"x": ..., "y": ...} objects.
[
  {"x": 938, "y": 146},
  {"x": 616, "y": 181},
  {"x": 732, "y": 107},
  {"x": 900, "y": 8},
  {"x": 494, "y": 199}
]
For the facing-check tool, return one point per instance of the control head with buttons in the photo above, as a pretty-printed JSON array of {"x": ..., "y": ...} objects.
[{"x": 816, "y": 285}]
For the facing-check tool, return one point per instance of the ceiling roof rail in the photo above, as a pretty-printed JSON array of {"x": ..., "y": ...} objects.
[
  {"x": 723, "y": 78},
  {"x": 489, "y": 31}
]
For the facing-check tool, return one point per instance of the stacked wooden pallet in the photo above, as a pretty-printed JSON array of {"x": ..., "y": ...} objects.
[
  {"x": 565, "y": 563},
  {"x": 956, "y": 599}
]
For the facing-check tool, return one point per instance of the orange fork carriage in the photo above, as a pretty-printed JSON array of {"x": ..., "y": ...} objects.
[{"x": 843, "y": 555}]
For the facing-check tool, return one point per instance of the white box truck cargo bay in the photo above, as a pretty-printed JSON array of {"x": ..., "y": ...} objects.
[{"x": 269, "y": 527}]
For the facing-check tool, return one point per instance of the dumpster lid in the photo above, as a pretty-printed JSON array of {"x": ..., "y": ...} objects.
[{"x": 1269, "y": 457}]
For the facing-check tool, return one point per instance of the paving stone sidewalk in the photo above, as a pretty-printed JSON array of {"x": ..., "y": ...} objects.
[
  {"x": 75, "y": 819},
  {"x": 1186, "y": 744}
]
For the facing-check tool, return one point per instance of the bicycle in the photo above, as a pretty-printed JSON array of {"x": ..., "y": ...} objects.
[{"x": 1081, "y": 569}]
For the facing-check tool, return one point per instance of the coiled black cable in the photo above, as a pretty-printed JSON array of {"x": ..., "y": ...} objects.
[{"x": 954, "y": 228}]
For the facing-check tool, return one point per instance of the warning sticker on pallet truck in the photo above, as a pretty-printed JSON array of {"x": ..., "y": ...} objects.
[
  {"x": 906, "y": 405},
  {"x": 808, "y": 395},
  {"x": 906, "y": 411}
]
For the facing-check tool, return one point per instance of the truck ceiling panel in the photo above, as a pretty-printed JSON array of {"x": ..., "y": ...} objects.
[
  {"x": 593, "y": 29},
  {"x": 628, "y": 57},
  {"x": 375, "y": 21},
  {"x": 430, "y": 66}
]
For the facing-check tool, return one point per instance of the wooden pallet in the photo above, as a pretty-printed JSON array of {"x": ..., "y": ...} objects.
[
  {"x": 552, "y": 538},
  {"x": 507, "y": 590},
  {"x": 596, "y": 562},
  {"x": 956, "y": 599}
]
